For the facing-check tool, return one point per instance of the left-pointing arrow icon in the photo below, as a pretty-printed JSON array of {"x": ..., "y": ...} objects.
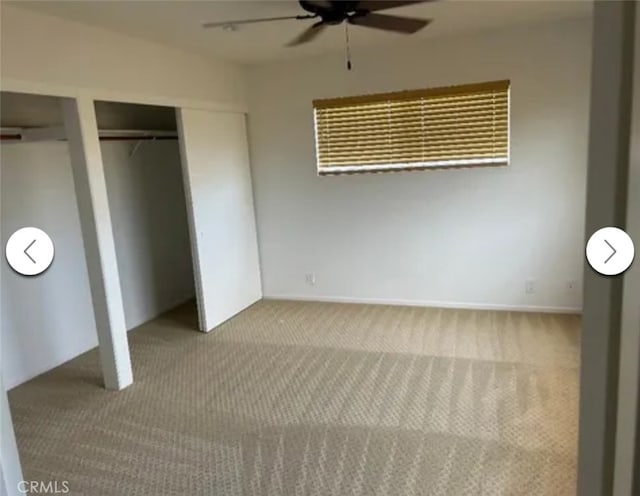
[
  {"x": 613, "y": 251},
  {"x": 26, "y": 251},
  {"x": 29, "y": 251}
]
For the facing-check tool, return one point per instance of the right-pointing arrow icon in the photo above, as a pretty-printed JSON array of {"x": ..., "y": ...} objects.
[
  {"x": 610, "y": 251},
  {"x": 613, "y": 251}
]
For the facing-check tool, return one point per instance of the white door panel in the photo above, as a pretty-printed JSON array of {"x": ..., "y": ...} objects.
[{"x": 217, "y": 178}]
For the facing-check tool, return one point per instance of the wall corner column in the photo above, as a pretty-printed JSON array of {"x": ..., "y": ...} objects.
[
  {"x": 97, "y": 233},
  {"x": 607, "y": 183},
  {"x": 10, "y": 469}
]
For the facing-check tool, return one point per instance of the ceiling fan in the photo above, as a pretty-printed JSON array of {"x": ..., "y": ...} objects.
[{"x": 331, "y": 13}]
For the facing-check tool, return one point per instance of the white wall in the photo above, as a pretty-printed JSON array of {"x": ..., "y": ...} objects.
[
  {"x": 45, "y": 51},
  {"x": 48, "y": 319},
  {"x": 463, "y": 237},
  {"x": 149, "y": 218}
]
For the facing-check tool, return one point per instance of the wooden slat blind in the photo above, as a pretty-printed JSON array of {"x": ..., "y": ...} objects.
[{"x": 454, "y": 126}]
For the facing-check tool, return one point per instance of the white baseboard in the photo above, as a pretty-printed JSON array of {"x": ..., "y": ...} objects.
[{"x": 426, "y": 303}]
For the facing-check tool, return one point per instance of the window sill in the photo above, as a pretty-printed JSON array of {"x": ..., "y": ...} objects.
[{"x": 447, "y": 164}]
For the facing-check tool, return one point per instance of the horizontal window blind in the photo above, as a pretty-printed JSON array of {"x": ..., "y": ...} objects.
[{"x": 454, "y": 126}]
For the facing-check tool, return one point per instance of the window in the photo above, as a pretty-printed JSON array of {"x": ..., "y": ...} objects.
[{"x": 453, "y": 126}]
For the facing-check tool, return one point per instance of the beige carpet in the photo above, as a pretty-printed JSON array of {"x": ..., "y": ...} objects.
[{"x": 323, "y": 399}]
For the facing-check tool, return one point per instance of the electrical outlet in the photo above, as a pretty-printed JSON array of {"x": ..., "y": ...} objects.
[
  {"x": 530, "y": 286},
  {"x": 310, "y": 279}
]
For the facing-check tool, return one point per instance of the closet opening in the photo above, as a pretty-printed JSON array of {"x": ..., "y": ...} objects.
[
  {"x": 47, "y": 318},
  {"x": 143, "y": 172}
]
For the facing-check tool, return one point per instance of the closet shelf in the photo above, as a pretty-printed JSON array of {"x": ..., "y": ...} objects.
[{"x": 57, "y": 133}]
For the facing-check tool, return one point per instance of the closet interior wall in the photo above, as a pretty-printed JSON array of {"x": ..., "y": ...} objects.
[
  {"x": 47, "y": 319},
  {"x": 148, "y": 209}
]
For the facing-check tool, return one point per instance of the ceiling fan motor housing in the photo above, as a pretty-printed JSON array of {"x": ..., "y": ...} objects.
[{"x": 332, "y": 12}]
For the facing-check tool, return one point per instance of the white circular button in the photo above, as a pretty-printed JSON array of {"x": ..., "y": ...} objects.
[
  {"x": 29, "y": 251},
  {"x": 610, "y": 251}
]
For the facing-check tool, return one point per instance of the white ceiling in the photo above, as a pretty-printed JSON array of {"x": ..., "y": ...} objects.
[{"x": 177, "y": 23}]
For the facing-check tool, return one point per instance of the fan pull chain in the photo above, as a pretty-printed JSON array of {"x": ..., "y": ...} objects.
[{"x": 346, "y": 35}]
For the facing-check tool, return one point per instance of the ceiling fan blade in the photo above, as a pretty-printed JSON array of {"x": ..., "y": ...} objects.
[
  {"x": 407, "y": 25},
  {"x": 308, "y": 34},
  {"x": 253, "y": 21},
  {"x": 374, "y": 5}
]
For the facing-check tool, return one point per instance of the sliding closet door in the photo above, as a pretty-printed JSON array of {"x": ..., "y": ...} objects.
[{"x": 215, "y": 161}]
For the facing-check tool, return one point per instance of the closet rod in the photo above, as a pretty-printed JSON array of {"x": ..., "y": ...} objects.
[
  {"x": 10, "y": 133},
  {"x": 18, "y": 137},
  {"x": 57, "y": 133},
  {"x": 138, "y": 138}
]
